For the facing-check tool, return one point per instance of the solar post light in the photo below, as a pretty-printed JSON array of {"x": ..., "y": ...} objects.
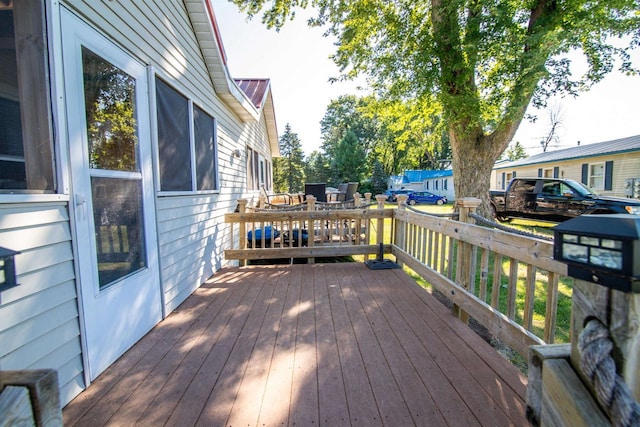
[
  {"x": 603, "y": 249},
  {"x": 8, "y": 277}
]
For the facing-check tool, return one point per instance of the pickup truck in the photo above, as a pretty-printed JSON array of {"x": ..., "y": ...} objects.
[{"x": 552, "y": 199}]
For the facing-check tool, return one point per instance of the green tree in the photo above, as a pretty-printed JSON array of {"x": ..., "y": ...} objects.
[
  {"x": 347, "y": 113},
  {"x": 515, "y": 151},
  {"x": 411, "y": 134},
  {"x": 349, "y": 160},
  {"x": 484, "y": 60},
  {"x": 288, "y": 170},
  {"x": 378, "y": 179},
  {"x": 318, "y": 168}
]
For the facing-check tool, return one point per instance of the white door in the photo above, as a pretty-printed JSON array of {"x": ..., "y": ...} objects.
[{"x": 113, "y": 204}]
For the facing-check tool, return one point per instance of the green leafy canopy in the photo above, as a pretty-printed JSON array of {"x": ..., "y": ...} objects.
[{"x": 484, "y": 61}]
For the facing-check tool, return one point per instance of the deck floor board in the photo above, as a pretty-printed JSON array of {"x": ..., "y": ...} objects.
[{"x": 318, "y": 344}]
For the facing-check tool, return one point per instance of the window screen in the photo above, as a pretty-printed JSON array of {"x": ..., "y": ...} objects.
[
  {"x": 204, "y": 136},
  {"x": 173, "y": 139},
  {"x": 26, "y": 143}
]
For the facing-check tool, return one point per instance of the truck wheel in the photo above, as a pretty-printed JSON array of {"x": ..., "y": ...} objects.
[
  {"x": 498, "y": 217},
  {"x": 440, "y": 202}
]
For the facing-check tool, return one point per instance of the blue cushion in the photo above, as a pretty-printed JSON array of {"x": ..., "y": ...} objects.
[{"x": 268, "y": 234}]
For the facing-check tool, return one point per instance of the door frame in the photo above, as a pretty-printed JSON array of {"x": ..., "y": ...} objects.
[{"x": 92, "y": 37}]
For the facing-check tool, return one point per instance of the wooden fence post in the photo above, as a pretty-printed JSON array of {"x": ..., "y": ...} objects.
[
  {"x": 400, "y": 227},
  {"x": 43, "y": 393},
  {"x": 242, "y": 208},
  {"x": 380, "y": 199},
  {"x": 311, "y": 227},
  {"x": 465, "y": 269},
  {"x": 620, "y": 313}
]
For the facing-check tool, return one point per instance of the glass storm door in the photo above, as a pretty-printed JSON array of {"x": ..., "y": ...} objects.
[{"x": 113, "y": 207}]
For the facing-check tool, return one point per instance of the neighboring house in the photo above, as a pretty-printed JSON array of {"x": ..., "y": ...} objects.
[
  {"x": 438, "y": 182},
  {"x": 123, "y": 143},
  {"x": 610, "y": 167}
]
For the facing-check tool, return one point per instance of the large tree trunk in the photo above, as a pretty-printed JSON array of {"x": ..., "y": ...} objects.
[{"x": 473, "y": 161}]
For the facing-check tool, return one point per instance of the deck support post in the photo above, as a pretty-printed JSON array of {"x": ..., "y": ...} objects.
[
  {"x": 559, "y": 392},
  {"x": 311, "y": 206},
  {"x": 465, "y": 271},
  {"x": 620, "y": 313},
  {"x": 400, "y": 228},
  {"x": 44, "y": 394},
  {"x": 242, "y": 208},
  {"x": 380, "y": 200}
]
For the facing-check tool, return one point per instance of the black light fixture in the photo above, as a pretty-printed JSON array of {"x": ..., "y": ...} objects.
[
  {"x": 603, "y": 249},
  {"x": 8, "y": 275}
]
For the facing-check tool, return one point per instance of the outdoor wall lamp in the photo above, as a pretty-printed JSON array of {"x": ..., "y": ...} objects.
[
  {"x": 236, "y": 153},
  {"x": 604, "y": 249},
  {"x": 8, "y": 277}
]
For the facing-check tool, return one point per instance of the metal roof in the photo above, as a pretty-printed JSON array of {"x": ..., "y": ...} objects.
[
  {"x": 255, "y": 89},
  {"x": 622, "y": 145},
  {"x": 421, "y": 175}
]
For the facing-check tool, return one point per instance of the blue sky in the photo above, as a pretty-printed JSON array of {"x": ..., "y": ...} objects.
[{"x": 296, "y": 59}]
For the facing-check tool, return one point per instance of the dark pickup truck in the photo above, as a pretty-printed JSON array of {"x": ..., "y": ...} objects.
[{"x": 557, "y": 200}]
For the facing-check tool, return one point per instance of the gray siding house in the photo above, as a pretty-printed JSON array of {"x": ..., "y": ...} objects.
[
  {"x": 610, "y": 168},
  {"x": 124, "y": 141}
]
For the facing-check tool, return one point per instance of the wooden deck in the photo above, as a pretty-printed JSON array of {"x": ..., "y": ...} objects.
[{"x": 307, "y": 345}]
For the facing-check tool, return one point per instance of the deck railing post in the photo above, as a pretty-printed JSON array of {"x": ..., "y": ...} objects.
[
  {"x": 311, "y": 227},
  {"x": 400, "y": 227},
  {"x": 464, "y": 268},
  {"x": 380, "y": 199},
  {"x": 242, "y": 208}
]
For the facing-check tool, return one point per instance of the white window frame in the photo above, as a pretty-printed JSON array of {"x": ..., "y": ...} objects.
[
  {"x": 600, "y": 178},
  {"x": 153, "y": 75},
  {"x": 262, "y": 171}
]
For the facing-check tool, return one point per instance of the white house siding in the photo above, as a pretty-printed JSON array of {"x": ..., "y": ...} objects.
[
  {"x": 39, "y": 320},
  {"x": 625, "y": 165},
  {"x": 39, "y": 325}
]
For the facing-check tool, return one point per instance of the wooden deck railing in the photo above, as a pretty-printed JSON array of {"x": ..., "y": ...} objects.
[
  {"x": 314, "y": 232},
  {"x": 495, "y": 277}
]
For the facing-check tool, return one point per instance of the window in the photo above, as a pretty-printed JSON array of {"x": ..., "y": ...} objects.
[
  {"x": 250, "y": 179},
  {"x": 187, "y": 148},
  {"x": 524, "y": 186},
  {"x": 258, "y": 171},
  {"x": 596, "y": 176},
  {"x": 508, "y": 177},
  {"x": 26, "y": 143}
]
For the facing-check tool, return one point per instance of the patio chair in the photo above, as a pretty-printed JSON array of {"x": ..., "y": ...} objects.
[
  {"x": 317, "y": 190},
  {"x": 352, "y": 187}
]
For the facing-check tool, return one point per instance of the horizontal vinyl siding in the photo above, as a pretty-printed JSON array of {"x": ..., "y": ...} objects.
[
  {"x": 626, "y": 165},
  {"x": 192, "y": 238},
  {"x": 39, "y": 323}
]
